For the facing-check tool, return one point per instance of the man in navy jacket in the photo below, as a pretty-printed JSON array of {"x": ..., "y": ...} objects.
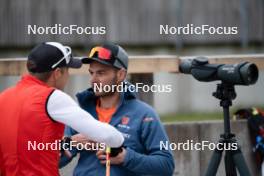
[{"x": 139, "y": 123}]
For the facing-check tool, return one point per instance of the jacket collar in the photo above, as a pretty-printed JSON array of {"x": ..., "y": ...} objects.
[
  {"x": 32, "y": 79},
  {"x": 88, "y": 96}
]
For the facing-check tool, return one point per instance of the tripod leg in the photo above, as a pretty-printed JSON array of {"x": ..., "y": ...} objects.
[
  {"x": 240, "y": 163},
  {"x": 214, "y": 163},
  {"x": 229, "y": 164}
]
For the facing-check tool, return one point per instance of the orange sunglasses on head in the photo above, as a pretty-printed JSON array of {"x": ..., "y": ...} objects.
[{"x": 103, "y": 53}]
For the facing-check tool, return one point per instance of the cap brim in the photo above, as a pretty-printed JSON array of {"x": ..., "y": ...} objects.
[
  {"x": 75, "y": 63},
  {"x": 88, "y": 60}
]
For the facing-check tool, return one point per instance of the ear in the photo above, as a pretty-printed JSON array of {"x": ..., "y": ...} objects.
[
  {"x": 121, "y": 75},
  {"x": 57, "y": 73}
]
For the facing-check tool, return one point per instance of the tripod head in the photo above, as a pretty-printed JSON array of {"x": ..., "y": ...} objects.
[{"x": 226, "y": 93}]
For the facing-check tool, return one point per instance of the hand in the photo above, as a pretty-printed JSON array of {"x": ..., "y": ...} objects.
[
  {"x": 64, "y": 151},
  {"x": 67, "y": 153},
  {"x": 118, "y": 160}
]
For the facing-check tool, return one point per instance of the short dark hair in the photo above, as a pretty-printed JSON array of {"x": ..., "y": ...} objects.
[
  {"x": 42, "y": 76},
  {"x": 45, "y": 75}
]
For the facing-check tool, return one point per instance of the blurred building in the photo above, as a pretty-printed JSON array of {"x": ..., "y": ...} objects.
[{"x": 136, "y": 26}]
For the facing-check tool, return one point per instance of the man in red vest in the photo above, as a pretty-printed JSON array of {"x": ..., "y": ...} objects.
[{"x": 34, "y": 111}]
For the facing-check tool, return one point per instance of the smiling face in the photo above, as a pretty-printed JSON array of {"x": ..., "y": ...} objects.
[{"x": 106, "y": 76}]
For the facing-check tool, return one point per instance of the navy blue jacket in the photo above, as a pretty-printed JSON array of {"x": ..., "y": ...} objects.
[{"x": 143, "y": 132}]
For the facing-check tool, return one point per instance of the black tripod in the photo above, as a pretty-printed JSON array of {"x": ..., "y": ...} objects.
[{"x": 233, "y": 158}]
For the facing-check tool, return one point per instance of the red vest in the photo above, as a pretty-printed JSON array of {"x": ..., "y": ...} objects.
[{"x": 25, "y": 126}]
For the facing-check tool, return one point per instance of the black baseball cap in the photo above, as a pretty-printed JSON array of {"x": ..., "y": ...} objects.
[
  {"x": 108, "y": 54},
  {"x": 47, "y": 56}
]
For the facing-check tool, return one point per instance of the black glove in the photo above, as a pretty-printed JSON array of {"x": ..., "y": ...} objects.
[
  {"x": 65, "y": 141},
  {"x": 116, "y": 151}
]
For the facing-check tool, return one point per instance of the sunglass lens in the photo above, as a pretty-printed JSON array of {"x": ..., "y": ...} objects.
[{"x": 102, "y": 53}]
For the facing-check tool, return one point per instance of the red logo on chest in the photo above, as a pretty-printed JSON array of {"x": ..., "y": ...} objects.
[{"x": 125, "y": 120}]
